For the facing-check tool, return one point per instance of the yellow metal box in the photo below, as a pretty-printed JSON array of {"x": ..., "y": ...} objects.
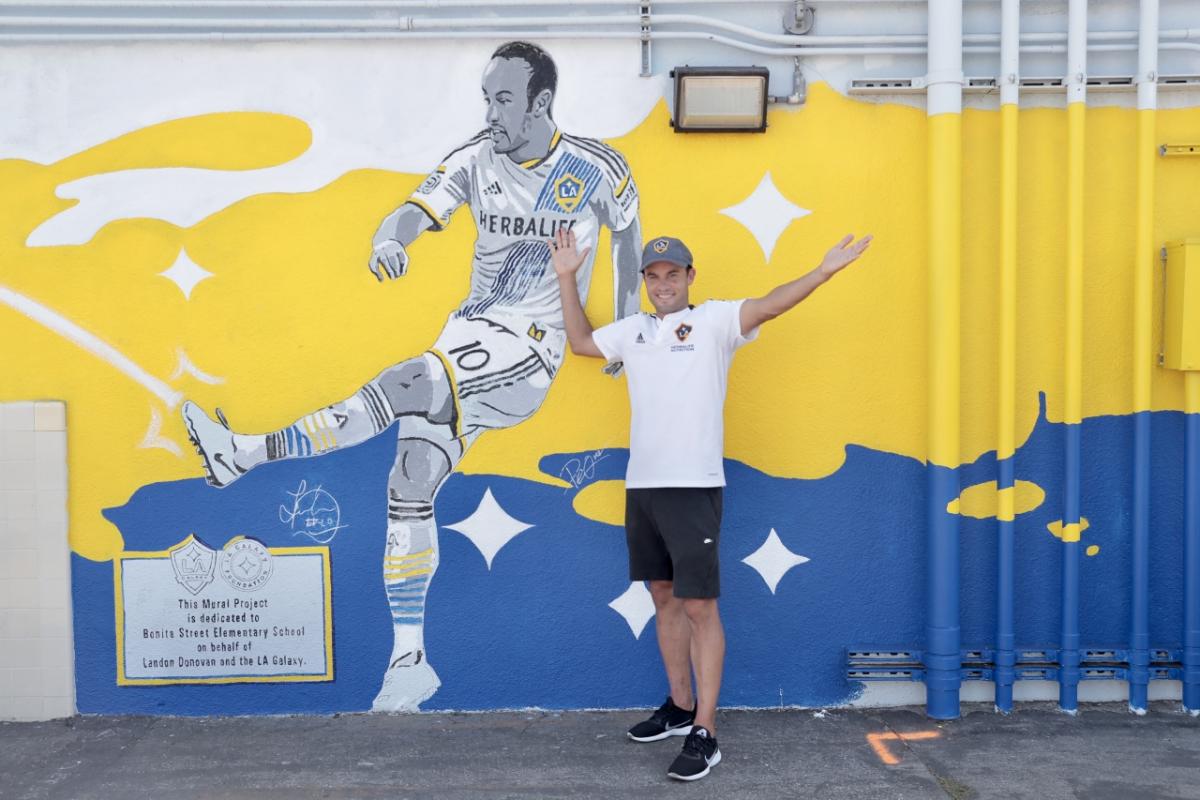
[{"x": 1181, "y": 314}]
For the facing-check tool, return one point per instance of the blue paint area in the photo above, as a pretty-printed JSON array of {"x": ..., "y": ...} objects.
[{"x": 536, "y": 628}]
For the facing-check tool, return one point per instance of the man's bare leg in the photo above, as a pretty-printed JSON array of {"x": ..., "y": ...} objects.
[
  {"x": 416, "y": 387},
  {"x": 425, "y": 457},
  {"x": 674, "y": 641},
  {"x": 708, "y": 657}
]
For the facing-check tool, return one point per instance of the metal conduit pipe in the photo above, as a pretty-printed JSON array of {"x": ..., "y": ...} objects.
[
  {"x": 1005, "y": 658},
  {"x": 1068, "y": 658},
  {"x": 1143, "y": 357},
  {"x": 385, "y": 29},
  {"x": 1191, "y": 547},
  {"x": 943, "y": 661},
  {"x": 425, "y": 23},
  {"x": 285, "y": 36},
  {"x": 339, "y": 5}
]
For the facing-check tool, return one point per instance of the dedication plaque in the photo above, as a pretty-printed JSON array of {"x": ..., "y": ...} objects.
[{"x": 243, "y": 614}]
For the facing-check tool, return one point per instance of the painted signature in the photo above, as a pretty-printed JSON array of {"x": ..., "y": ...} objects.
[
  {"x": 314, "y": 513},
  {"x": 579, "y": 471}
]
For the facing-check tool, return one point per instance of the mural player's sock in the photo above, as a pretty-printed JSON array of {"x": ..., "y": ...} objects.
[
  {"x": 409, "y": 562},
  {"x": 350, "y": 422}
]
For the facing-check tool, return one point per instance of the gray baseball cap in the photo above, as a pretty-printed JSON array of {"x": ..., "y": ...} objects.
[{"x": 666, "y": 248}]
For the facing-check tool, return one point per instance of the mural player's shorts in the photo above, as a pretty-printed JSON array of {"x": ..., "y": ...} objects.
[
  {"x": 673, "y": 535},
  {"x": 500, "y": 367}
]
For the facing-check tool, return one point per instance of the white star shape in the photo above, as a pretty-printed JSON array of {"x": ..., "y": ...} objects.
[
  {"x": 490, "y": 527},
  {"x": 185, "y": 274},
  {"x": 766, "y": 213},
  {"x": 637, "y": 607},
  {"x": 773, "y": 560}
]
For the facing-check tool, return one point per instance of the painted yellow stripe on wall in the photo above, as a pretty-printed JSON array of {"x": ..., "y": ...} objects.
[
  {"x": 945, "y": 278},
  {"x": 1073, "y": 366},
  {"x": 1006, "y": 414},
  {"x": 1145, "y": 258}
]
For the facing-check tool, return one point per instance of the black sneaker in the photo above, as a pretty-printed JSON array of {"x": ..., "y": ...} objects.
[
  {"x": 669, "y": 720},
  {"x": 700, "y": 754}
]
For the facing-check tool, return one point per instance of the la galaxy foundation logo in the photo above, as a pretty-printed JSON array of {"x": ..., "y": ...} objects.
[
  {"x": 568, "y": 191},
  {"x": 682, "y": 332},
  {"x": 660, "y": 246},
  {"x": 246, "y": 564}
]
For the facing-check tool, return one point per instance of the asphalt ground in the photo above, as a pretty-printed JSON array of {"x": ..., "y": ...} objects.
[{"x": 1037, "y": 752}]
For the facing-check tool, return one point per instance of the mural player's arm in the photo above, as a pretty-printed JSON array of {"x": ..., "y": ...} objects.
[
  {"x": 397, "y": 231},
  {"x": 567, "y": 261},
  {"x": 758, "y": 310},
  {"x": 627, "y": 279},
  {"x": 428, "y": 208}
]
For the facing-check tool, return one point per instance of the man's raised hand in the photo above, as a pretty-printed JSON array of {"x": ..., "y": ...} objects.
[
  {"x": 563, "y": 255},
  {"x": 843, "y": 253}
]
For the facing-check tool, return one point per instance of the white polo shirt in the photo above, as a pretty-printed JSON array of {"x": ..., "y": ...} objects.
[{"x": 678, "y": 370}]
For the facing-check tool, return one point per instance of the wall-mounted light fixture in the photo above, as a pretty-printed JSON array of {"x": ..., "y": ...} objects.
[{"x": 720, "y": 99}]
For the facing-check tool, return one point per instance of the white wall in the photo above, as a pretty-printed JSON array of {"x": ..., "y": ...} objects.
[{"x": 37, "y": 670}]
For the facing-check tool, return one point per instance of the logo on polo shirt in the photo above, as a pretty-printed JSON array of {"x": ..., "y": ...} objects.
[
  {"x": 640, "y": 339},
  {"x": 682, "y": 332}
]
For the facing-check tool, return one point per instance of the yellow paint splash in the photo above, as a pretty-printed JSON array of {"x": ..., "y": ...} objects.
[
  {"x": 1068, "y": 533},
  {"x": 602, "y": 501},
  {"x": 982, "y": 501},
  {"x": 1093, "y": 549},
  {"x": 293, "y": 320}
]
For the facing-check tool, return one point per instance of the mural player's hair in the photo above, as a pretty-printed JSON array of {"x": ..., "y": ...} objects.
[{"x": 544, "y": 75}]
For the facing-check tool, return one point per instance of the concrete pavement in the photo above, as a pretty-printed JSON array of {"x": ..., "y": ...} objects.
[{"x": 1104, "y": 753}]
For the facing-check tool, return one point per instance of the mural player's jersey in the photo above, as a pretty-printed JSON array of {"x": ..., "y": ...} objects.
[{"x": 581, "y": 184}]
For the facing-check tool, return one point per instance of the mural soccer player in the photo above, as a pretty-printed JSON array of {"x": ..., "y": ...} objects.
[{"x": 499, "y": 351}]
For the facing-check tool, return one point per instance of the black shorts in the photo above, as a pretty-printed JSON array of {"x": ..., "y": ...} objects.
[{"x": 673, "y": 535}]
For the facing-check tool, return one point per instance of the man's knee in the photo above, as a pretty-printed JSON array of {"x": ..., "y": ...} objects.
[
  {"x": 662, "y": 592},
  {"x": 420, "y": 387},
  {"x": 700, "y": 610},
  {"x": 418, "y": 470}
]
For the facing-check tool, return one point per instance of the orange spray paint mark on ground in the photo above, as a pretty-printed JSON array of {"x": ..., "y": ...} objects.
[{"x": 885, "y": 755}]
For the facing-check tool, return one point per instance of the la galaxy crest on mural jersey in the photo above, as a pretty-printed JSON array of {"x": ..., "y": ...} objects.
[{"x": 581, "y": 184}]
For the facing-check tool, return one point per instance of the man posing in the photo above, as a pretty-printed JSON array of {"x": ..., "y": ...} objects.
[
  {"x": 677, "y": 362},
  {"x": 492, "y": 365}
]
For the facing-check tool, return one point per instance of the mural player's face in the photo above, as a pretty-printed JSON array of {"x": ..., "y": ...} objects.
[
  {"x": 667, "y": 286},
  {"x": 509, "y": 117}
]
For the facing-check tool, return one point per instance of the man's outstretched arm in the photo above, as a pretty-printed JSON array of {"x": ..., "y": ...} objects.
[
  {"x": 758, "y": 310},
  {"x": 567, "y": 261},
  {"x": 398, "y": 230},
  {"x": 627, "y": 276}
]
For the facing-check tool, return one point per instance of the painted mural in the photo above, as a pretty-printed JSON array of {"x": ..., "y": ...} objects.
[
  {"x": 522, "y": 179},
  {"x": 345, "y": 539}
]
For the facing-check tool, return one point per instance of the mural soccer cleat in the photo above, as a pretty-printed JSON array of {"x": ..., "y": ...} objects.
[
  {"x": 214, "y": 442},
  {"x": 408, "y": 682}
]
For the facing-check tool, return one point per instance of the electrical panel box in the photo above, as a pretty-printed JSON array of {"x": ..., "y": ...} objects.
[{"x": 1181, "y": 309}]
